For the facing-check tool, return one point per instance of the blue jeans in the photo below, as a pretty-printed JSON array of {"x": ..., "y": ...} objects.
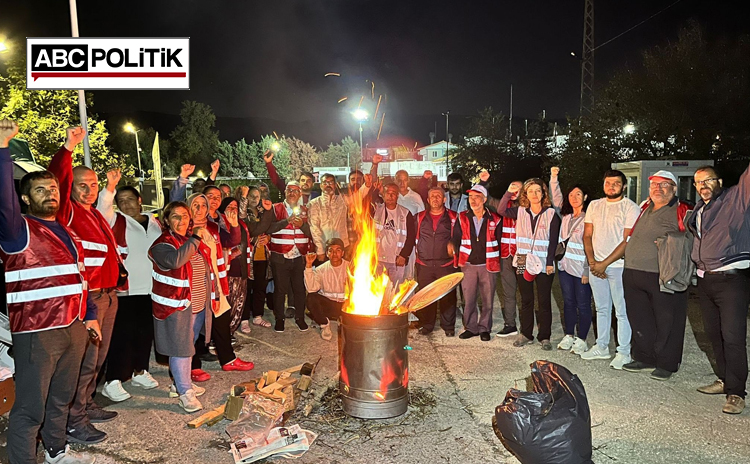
[
  {"x": 577, "y": 304},
  {"x": 180, "y": 366},
  {"x": 608, "y": 292}
]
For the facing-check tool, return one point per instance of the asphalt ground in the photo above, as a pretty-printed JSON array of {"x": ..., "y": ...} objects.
[{"x": 634, "y": 419}]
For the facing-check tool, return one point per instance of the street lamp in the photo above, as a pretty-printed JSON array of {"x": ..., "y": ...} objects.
[
  {"x": 131, "y": 128},
  {"x": 628, "y": 129},
  {"x": 360, "y": 116},
  {"x": 4, "y": 47}
]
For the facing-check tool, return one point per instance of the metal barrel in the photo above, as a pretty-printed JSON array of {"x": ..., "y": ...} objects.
[{"x": 374, "y": 365}]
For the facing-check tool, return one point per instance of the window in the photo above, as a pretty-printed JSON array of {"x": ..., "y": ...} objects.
[{"x": 632, "y": 191}]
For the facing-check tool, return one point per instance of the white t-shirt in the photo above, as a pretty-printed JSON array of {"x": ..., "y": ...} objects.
[
  {"x": 610, "y": 219},
  {"x": 411, "y": 201}
]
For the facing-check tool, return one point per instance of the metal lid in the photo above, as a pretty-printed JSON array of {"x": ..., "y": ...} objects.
[{"x": 434, "y": 291}]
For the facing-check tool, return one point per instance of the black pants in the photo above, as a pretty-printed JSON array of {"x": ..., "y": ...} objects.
[
  {"x": 724, "y": 300},
  {"x": 132, "y": 338},
  {"x": 447, "y": 304},
  {"x": 47, "y": 367},
  {"x": 256, "y": 291},
  {"x": 288, "y": 277},
  {"x": 543, "y": 312},
  {"x": 222, "y": 339},
  {"x": 657, "y": 319},
  {"x": 322, "y": 309}
]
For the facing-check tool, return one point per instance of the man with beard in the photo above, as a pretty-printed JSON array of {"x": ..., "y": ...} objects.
[
  {"x": 455, "y": 199},
  {"x": 45, "y": 285},
  {"x": 721, "y": 249},
  {"x": 606, "y": 227},
  {"x": 328, "y": 216},
  {"x": 79, "y": 190}
]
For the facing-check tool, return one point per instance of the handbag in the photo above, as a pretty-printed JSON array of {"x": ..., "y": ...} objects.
[{"x": 562, "y": 247}]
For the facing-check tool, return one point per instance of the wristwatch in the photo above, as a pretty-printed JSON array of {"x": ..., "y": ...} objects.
[{"x": 197, "y": 237}]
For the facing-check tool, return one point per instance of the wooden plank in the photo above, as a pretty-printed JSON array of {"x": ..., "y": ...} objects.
[
  {"x": 271, "y": 388},
  {"x": 287, "y": 381},
  {"x": 271, "y": 377},
  {"x": 284, "y": 375},
  {"x": 261, "y": 384},
  {"x": 197, "y": 422},
  {"x": 304, "y": 382},
  {"x": 293, "y": 370}
]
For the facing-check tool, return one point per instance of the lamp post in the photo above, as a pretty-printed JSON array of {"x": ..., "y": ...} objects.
[
  {"x": 81, "y": 93},
  {"x": 131, "y": 128},
  {"x": 4, "y": 47},
  {"x": 447, "y": 161},
  {"x": 361, "y": 116}
]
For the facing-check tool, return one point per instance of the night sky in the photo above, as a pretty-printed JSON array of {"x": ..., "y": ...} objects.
[{"x": 266, "y": 59}]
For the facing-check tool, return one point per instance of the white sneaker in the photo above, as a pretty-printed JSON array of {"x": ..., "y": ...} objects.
[
  {"x": 69, "y": 457},
  {"x": 196, "y": 389},
  {"x": 189, "y": 402},
  {"x": 579, "y": 346},
  {"x": 325, "y": 332},
  {"x": 114, "y": 391},
  {"x": 596, "y": 352},
  {"x": 245, "y": 327},
  {"x": 145, "y": 381},
  {"x": 620, "y": 360},
  {"x": 566, "y": 343}
]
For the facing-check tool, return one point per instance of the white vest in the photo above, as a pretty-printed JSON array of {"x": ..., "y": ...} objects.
[
  {"x": 525, "y": 234},
  {"x": 391, "y": 236},
  {"x": 575, "y": 257}
]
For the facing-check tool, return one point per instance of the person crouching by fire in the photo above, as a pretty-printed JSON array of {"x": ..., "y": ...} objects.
[{"x": 326, "y": 286}]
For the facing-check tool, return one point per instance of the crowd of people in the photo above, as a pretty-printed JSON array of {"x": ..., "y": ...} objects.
[{"x": 92, "y": 277}]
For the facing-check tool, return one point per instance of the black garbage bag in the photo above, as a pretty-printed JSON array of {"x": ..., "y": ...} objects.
[{"x": 552, "y": 424}]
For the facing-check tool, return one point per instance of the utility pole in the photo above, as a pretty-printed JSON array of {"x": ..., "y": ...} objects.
[
  {"x": 587, "y": 59},
  {"x": 81, "y": 93},
  {"x": 447, "y": 160},
  {"x": 510, "y": 120}
]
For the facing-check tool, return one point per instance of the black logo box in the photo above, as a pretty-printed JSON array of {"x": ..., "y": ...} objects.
[{"x": 83, "y": 57}]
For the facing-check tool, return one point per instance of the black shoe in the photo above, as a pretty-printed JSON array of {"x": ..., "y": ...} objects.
[
  {"x": 99, "y": 415},
  {"x": 424, "y": 331},
  {"x": 302, "y": 325},
  {"x": 637, "y": 366},
  {"x": 450, "y": 333},
  {"x": 279, "y": 327},
  {"x": 466, "y": 335},
  {"x": 508, "y": 331},
  {"x": 485, "y": 336},
  {"x": 414, "y": 325},
  {"x": 86, "y": 435},
  {"x": 208, "y": 357},
  {"x": 291, "y": 313},
  {"x": 660, "y": 374}
]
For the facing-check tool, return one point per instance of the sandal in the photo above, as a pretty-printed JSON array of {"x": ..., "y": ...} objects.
[{"x": 261, "y": 322}]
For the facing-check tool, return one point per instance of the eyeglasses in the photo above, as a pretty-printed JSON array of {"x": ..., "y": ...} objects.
[
  {"x": 664, "y": 185},
  {"x": 701, "y": 183}
]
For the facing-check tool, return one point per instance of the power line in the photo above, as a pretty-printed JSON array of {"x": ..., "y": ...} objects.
[{"x": 639, "y": 24}]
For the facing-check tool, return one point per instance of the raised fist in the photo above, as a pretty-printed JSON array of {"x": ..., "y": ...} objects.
[
  {"x": 554, "y": 171},
  {"x": 428, "y": 174},
  {"x": 113, "y": 178},
  {"x": 267, "y": 204},
  {"x": 186, "y": 170},
  {"x": 376, "y": 159},
  {"x": 262, "y": 240},
  {"x": 8, "y": 130},
  {"x": 215, "y": 166},
  {"x": 74, "y": 136},
  {"x": 310, "y": 259},
  {"x": 268, "y": 156},
  {"x": 484, "y": 176},
  {"x": 244, "y": 190},
  {"x": 513, "y": 188},
  {"x": 231, "y": 215}
]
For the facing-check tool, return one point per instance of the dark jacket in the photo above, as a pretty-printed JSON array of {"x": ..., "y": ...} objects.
[
  {"x": 725, "y": 227},
  {"x": 432, "y": 246}
]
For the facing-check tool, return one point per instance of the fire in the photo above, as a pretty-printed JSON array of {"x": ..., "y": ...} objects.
[{"x": 369, "y": 290}]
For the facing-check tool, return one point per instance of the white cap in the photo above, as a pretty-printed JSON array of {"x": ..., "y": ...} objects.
[
  {"x": 664, "y": 175},
  {"x": 479, "y": 189}
]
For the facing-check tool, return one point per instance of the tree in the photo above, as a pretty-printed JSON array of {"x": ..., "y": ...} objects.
[
  {"x": 43, "y": 116},
  {"x": 123, "y": 143},
  {"x": 237, "y": 160},
  {"x": 302, "y": 155},
  {"x": 345, "y": 153},
  {"x": 195, "y": 140}
]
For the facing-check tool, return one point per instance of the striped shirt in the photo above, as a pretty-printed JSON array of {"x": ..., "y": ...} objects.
[{"x": 198, "y": 283}]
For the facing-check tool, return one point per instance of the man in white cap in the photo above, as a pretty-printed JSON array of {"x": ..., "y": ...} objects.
[
  {"x": 479, "y": 259},
  {"x": 657, "y": 318}
]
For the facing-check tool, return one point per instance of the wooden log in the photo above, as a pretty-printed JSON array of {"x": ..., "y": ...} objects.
[
  {"x": 304, "y": 382},
  {"x": 197, "y": 422},
  {"x": 294, "y": 369},
  {"x": 271, "y": 377},
  {"x": 271, "y": 388},
  {"x": 287, "y": 381}
]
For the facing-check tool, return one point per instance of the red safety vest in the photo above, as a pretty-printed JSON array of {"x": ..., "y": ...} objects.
[
  {"x": 221, "y": 265},
  {"x": 290, "y": 236},
  {"x": 99, "y": 246},
  {"x": 45, "y": 285},
  {"x": 492, "y": 249},
  {"x": 508, "y": 236},
  {"x": 248, "y": 250},
  {"x": 171, "y": 287},
  {"x": 119, "y": 232}
]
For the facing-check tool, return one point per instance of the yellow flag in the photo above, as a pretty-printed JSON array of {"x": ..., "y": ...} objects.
[{"x": 157, "y": 173}]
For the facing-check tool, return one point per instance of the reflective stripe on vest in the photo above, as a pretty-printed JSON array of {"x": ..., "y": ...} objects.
[
  {"x": 525, "y": 233},
  {"x": 44, "y": 293},
  {"x": 40, "y": 272},
  {"x": 492, "y": 251}
]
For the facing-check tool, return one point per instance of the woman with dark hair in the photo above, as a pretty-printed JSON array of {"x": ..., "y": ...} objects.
[
  {"x": 240, "y": 258},
  {"x": 252, "y": 209},
  {"x": 182, "y": 281},
  {"x": 573, "y": 267},
  {"x": 537, "y": 232}
]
